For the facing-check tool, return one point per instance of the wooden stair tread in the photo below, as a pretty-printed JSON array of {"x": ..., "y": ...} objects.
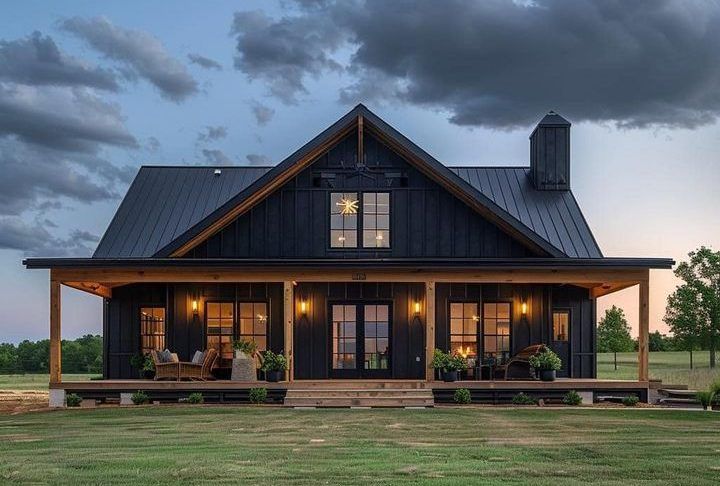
[{"x": 335, "y": 396}]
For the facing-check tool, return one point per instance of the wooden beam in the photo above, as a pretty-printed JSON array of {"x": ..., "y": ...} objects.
[
  {"x": 288, "y": 327},
  {"x": 429, "y": 329},
  {"x": 55, "y": 339},
  {"x": 361, "y": 143},
  {"x": 609, "y": 288},
  {"x": 216, "y": 275},
  {"x": 92, "y": 288},
  {"x": 644, "y": 329}
]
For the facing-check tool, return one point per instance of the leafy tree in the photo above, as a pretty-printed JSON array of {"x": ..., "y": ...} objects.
[
  {"x": 613, "y": 333},
  {"x": 659, "y": 342},
  {"x": 83, "y": 355},
  {"x": 693, "y": 310}
]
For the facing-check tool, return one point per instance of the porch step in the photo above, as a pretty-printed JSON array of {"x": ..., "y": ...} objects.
[
  {"x": 360, "y": 384},
  {"x": 355, "y": 397}
]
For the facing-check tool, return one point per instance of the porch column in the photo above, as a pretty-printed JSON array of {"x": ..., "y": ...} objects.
[
  {"x": 644, "y": 328},
  {"x": 55, "y": 359},
  {"x": 288, "y": 327},
  {"x": 429, "y": 328}
]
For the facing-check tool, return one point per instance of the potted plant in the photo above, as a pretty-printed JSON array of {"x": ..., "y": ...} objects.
[
  {"x": 143, "y": 363},
  {"x": 274, "y": 366},
  {"x": 244, "y": 349},
  {"x": 449, "y": 365},
  {"x": 546, "y": 364}
]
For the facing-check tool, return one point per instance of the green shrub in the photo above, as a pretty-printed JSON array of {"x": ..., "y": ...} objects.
[
  {"x": 447, "y": 361},
  {"x": 73, "y": 400},
  {"x": 195, "y": 398},
  {"x": 572, "y": 398},
  {"x": 274, "y": 362},
  {"x": 715, "y": 387},
  {"x": 547, "y": 360},
  {"x": 139, "y": 397},
  {"x": 705, "y": 398},
  {"x": 630, "y": 400},
  {"x": 248, "y": 347},
  {"x": 523, "y": 399},
  {"x": 258, "y": 395},
  {"x": 142, "y": 362},
  {"x": 462, "y": 396}
]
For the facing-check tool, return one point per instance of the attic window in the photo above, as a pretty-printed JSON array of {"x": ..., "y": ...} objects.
[{"x": 344, "y": 207}]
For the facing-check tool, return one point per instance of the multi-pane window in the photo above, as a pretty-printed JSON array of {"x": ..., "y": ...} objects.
[
  {"x": 376, "y": 220},
  {"x": 463, "y": 328},
  {"x": 344, "y": 327},
  {"x": 496, "y": 330},
  {"x": 253, "y": 323},
  {"x": 561, "y": 324},
  {"x": 377, "y": 337},
  {"x": 220, "y": 323},
  {"x": 344, "y": 208},
  {"x": 152, "y": 329}
]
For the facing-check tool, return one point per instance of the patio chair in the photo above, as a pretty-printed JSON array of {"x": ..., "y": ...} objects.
[
  {"x": 199, "y": 371},
  {"x": 518, "y": 367},
  {"x": 165, "y": 369}
]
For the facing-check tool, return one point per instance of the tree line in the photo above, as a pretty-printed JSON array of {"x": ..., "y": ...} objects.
[{"x": 83, "y": 355}]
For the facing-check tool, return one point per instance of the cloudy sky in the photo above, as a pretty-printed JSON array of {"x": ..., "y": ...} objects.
[{"x": 89, "y": 91}]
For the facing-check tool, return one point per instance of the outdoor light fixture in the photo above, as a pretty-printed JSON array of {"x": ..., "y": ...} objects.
[
  {"x": 523, "y": 308},
  {"x": 195, "y": 307},
  {"x": 303, "y": 307},
  {"x": 417, "y": 308}
]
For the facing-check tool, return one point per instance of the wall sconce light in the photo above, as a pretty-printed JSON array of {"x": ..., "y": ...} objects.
[
  {"x": 195, "y": 307},
  {"x": 416, "y": 308},
  {"x": 523, "y": 308},
  {"x": 303, "y": 307}
]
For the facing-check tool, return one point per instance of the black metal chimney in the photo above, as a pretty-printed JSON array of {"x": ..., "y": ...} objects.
[{"x": 550, "y": 153}]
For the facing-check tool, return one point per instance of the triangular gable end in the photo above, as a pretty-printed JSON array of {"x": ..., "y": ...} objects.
[{"x": 359, "y": 119}]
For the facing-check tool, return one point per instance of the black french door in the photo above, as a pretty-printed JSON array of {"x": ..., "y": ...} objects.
[{"x": 360, "y": 340}]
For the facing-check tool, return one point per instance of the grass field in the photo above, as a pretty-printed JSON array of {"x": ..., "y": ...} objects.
[
  {"x": 34, "y": 381},
  {"x": 670, "y": 367},
  {"x": 170, "y": 444}
]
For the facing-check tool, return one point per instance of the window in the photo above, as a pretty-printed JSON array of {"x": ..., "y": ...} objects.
[
  {"x": 561, "y": 325},
  {"x": 344, "y": 207},
  {"x": 376, "y": 220},
  {"x": 253, "y": 323},
  {"x": 377, "y": 337},
  {"x": 463, "y": 328},
  {"x": 344, "y": 211},
  {"x": 496, "y": 330},
  {"x": 152, "y": 329},
  {"x": 344, "y": 337},
  {"x": 220, "y": 323}
]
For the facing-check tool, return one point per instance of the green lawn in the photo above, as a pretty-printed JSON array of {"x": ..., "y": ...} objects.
[
  {"x": 170, "y": 444},
  {"x": 670, "y": 367},
  {"x": 34, "y": 381}
]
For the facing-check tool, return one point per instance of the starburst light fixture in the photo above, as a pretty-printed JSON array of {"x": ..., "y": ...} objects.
[{"x": 347, "y": 206}]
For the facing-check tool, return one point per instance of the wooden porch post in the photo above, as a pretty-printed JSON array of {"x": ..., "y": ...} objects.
[
  {"x": 644, "y": 328},
  {"x": 429, "y": 328},
  {"x": 289, "y": 318},
  {"x": 55, "y": 359}
]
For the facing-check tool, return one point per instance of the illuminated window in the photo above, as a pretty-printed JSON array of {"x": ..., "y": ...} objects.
[
  {"x": 219, "y": 325},
  {"x": 253, "y": 323},
  {"x": 344, "y": 337},
  {"x": 152, "y": 329},
  {"x": 561, "y": 325},
  {"x": 463, "y": 328},
  {"x": 344, "y": 208},
  {"x": 376, "y": 220},
  {"x": 496, "y": 330}
]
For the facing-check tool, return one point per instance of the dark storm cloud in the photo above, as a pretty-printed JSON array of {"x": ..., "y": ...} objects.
[
  {"x": 263, "y": 114},
  {"x": 143, "y": 54},
  {"x": 204, "y": 62},
  {"x": 37, "y": 60},
  {"x": 500, "y": 64},
  {"x": 212, "y": 133},
  {"x": 257, "y": 159},
  {"x": 34, "y": 239},
  {"x": 283, "y": 52},
  {"x": 216, "y": 157},
  {"x": 61, "y": 118}
]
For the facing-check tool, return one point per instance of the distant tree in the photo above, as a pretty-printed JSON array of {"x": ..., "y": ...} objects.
[
  {"x": 613, "y": 333},
  {"x": 83, "y": 355},
  {"x": 693, "y": 310},
  {"x": 9, "y": 358},
  {"x": 658, "y": 342}
]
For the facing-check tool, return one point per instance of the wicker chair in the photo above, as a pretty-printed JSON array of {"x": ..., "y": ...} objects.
[
  {"x": 199, "y": 371},
  {"x": 163, "y": 370},
  {"x": 518, "y": 368}
]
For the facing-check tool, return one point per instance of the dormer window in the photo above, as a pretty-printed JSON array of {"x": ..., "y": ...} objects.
[{"x": 371, "y": 208}]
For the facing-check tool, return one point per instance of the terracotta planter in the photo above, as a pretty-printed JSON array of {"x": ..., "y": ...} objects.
[
  {"x": 547, "y": 375},
  {"x": 449, "y": 376}
]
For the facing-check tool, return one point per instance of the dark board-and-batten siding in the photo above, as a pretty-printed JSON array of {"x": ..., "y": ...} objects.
[{"x": 426, "y": 220}]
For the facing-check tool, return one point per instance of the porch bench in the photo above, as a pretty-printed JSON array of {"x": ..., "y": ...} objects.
[
  {"x": 198, "y": 371},
  {"x": 165, "y": 369}
]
